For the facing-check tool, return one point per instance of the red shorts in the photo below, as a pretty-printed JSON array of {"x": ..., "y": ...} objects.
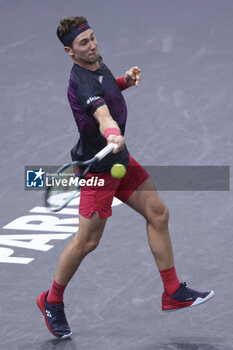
[{"x": 99, "y": 198}]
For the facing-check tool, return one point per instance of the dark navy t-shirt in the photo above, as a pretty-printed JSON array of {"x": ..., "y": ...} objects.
[{"x": 87, "y": 91}]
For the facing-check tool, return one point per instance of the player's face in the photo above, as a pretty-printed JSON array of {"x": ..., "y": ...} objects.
[{"x": 84, "y": 50}]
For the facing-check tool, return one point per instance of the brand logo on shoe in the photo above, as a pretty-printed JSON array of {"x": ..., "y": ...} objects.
[
  {"x": 187, "y": 299},
  {"x": 48, "y": 313}
]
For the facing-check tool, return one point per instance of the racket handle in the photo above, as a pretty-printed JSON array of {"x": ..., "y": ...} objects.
[{"x": 106, "y": 150}]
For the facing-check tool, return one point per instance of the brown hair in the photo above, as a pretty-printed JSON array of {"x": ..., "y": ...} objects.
[{"x": 66, "y": 24}]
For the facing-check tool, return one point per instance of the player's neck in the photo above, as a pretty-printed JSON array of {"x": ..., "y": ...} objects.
[{"x": 90, "y": 66}]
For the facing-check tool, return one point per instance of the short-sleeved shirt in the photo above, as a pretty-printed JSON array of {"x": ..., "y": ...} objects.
[{"x": 87, "y": 91}]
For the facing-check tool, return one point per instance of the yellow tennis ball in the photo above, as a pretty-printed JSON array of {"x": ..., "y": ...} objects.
[{"x": 118, "y": 171}]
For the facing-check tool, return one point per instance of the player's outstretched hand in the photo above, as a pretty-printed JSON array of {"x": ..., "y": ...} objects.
[
  {"x": 133, "y": 76},
  {"x": 119, "y": 140}
]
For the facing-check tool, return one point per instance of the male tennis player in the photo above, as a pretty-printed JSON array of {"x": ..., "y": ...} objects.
[{"x": 100, "y": 113}]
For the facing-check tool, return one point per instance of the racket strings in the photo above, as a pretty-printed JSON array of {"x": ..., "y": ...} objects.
[
  {"x": 62, "y": 186},
  {"x": 65, "y": 185}
]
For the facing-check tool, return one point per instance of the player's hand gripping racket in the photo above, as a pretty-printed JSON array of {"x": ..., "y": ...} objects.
[{"x": 65, "y": 183}]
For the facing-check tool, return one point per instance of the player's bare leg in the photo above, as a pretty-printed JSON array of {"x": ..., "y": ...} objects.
[
  {"x": 85, "y": 241},
  {"x": 147, "y": 202},
  {"x": 51, "y": 302},
  {"x": 176, "y": 295}
]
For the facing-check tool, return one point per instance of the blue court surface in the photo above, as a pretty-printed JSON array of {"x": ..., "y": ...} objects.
[{"x": 181, "y": 114}]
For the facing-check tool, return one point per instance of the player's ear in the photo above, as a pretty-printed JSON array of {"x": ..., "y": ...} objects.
[{"x": 68, "y": 50}]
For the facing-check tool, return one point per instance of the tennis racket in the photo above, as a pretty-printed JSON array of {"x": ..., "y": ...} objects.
[{"x": 65, "y": 186}]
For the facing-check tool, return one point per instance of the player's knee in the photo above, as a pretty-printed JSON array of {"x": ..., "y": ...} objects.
[
  {"x": 84, "y": 245},
  {"x": 90, "y": 246},
  {"x": 158, "y": 213},
  {"x": 164, "y": 217}
]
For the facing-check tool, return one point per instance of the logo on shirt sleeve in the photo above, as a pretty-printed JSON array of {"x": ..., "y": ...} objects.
[{"x": 92, "y": 99}]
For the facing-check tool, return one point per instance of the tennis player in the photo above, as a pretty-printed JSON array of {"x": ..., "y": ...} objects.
[{"x": 100, "y": 113}]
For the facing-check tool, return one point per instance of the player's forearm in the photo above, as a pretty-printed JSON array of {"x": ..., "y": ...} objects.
[
  {"x": 108, "y": 124},
  {"x": 109, "y": 128},
  {"x": 105, "y": 120}
]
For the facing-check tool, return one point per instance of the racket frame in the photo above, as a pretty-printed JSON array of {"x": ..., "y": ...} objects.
[{"x": 89, "y": 163}]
